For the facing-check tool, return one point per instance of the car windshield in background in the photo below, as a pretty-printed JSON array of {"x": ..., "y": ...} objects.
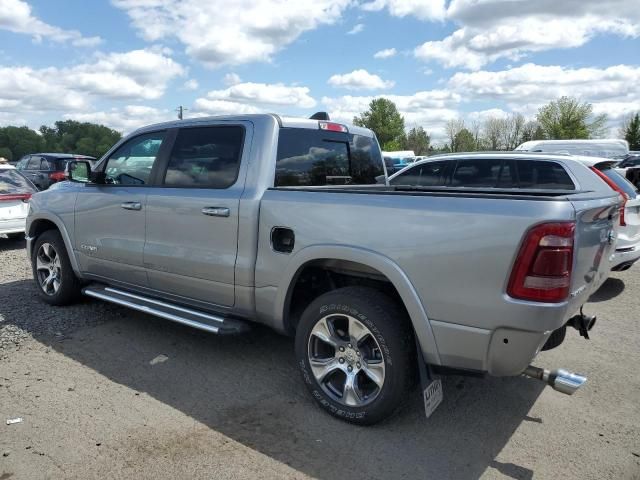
[
  {"x": 620, "y": 181},
  {"x": 487, "y": 173},
  {"x": 12, "y": 182},
  {"x": 630, "y": 161},
  {"x": 317, "y": 158}
]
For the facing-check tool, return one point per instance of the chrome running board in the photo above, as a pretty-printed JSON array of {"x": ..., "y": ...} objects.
[{"x": 179, "y": 314}]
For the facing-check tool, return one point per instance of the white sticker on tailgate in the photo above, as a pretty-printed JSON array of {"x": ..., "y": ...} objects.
[{"x": 432, "y": 397}]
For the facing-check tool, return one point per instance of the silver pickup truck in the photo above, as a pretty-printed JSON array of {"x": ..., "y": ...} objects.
[{"x": 220, "y": 222}]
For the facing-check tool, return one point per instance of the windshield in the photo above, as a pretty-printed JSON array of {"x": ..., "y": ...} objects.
[{"x": 12, "y": 182}]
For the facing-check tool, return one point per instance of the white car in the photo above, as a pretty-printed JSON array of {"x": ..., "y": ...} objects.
[
  {"x": 447, "y": 170},
  {"x": 15, "y": 193},
  {"x": 628, "y": 244},
  {"x": 603, "y": 147}
]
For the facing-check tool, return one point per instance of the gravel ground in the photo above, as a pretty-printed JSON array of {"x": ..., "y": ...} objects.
[{"x": 105, "y": 392}]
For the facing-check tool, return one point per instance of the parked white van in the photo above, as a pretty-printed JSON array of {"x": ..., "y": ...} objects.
[{"x": 606, "y": 147}]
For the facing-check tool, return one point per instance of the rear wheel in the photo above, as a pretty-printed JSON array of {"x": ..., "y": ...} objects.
[
  {"x": 52, "y": 271},
  {"x": 355, "y": 350}
]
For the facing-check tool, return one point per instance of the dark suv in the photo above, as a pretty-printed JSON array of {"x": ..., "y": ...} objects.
[{"x": 45, "y": 169}]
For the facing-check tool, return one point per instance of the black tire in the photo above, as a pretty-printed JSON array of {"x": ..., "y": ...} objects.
[
  {"x": 388, "y": 324},
  {"x": 69, "y": 286},
  {"x": 15, "y": 236}
]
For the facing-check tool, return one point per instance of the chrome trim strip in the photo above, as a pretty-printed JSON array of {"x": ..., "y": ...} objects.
[{"x": 151, "y": 311}]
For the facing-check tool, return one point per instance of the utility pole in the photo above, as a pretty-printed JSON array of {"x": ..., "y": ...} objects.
[{"x": 181, "y": 111}]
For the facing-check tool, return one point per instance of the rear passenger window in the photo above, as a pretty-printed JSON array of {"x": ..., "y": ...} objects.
[
  {"x": 481, "y": 173},
  {"x": 34, "y": 164},
  {"x": 542, "y": 175},
  {"x": 429, "y": 174},
  {"x": 205, "y": 157},
  {"x": 309, "y": 157}
]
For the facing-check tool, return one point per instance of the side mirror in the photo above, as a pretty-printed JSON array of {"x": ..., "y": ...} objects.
[{"x": 78, "y": 171}]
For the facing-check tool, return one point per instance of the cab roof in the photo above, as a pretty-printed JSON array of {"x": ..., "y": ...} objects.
[{"x": 283, "y": 121}]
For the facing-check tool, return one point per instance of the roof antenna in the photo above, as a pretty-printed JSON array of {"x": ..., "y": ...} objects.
[{"x": 320, "y": 116}]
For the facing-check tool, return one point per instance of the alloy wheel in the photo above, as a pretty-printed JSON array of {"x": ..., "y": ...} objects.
[
  {"x": 346, "y": 360},
  {"x": 48, "y": 269}
]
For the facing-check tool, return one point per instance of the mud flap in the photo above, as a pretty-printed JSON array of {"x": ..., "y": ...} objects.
[{"x": 430, "y": 384}]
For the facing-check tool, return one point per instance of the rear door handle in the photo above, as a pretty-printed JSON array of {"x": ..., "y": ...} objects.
[
  {"x": 216, "y": 211},
  {"x": 131, "y": 205}
]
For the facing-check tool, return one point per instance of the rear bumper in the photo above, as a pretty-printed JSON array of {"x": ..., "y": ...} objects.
[
  {"x": 16, "y": 225},
  {"x": 625, "y": 257},
  {"x": 499, "y": 352}
]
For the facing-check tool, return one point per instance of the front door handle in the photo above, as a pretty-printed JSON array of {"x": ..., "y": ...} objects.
[
  {"x": 216, "y": 211},
  {"x": 131, "y": 205}
]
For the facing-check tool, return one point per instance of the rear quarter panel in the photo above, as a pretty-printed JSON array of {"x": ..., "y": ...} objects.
[{"x": 457, "y": 252}]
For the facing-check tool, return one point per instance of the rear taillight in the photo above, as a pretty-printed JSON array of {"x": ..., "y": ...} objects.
[
  {"x": 542, "y": 270},
  {"x": 57, "y": 176},
  {"x": 613, "y": 185},
  {"x": 25, "y": 197}
]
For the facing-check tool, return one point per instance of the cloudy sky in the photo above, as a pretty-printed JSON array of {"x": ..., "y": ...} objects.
[{"x": 127, "y": 63}]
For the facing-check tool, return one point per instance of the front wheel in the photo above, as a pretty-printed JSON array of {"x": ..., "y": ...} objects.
[
  {"x": 355, "y": 349},
  {"x": 52, "y": 271}
]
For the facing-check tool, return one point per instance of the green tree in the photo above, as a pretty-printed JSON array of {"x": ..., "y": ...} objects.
[
  {"x": 85, "y": 138},
  {"x": 5, "y": 152},
  {"x": 567, "y": 118},
  {"x": 20, "y": 141},
  {"x": 417, "y": 140},
  {"x": 464, "y": 141},
  {"x": 385, "y": 120},
  {"x": 632, "y": 132}
]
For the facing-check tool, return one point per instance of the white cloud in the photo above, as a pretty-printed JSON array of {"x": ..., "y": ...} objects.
[
  {"x": 356, "y": 29},
  {"x": 208, "y": 106},
  {"x": 26, "y": 89},
  {"x": 135, "y": 74},
  {"x": 386, "y": 53},
  {"x": 191, "y": 84},
  {"x": 529, "y": 86},
  {"x": 422, "y": 9},
  {"x": 359, "y": 80},
  {"x": 16, "y": 16},
  {"x": 254, "y": 98},
  {"x": 231, "y": 79},
  {"x": 430, "y": 109},
  {"x": 219, "y": 32},
  {"x": 139, "y": 74},
  {"x": 124, "y": 119},
  {"x": 493, "y": 29}
]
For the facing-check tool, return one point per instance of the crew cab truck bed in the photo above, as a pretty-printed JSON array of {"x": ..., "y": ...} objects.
[{"x": 224, "y": 221}]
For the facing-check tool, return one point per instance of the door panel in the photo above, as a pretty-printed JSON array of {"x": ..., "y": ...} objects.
[
  {"x": 192, "y": 221},
  {"x": 110, "y": 238},
  {"x": 187, "y": 252},
  {"x": 110, "y": 217}
]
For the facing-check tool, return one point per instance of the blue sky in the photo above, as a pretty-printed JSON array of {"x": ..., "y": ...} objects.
[{"x": 127, "y": 63}]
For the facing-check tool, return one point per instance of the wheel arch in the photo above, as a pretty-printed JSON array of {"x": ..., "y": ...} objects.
[
  {"x": 366, "y": 264},
  {"x": 40, "y": 224}
]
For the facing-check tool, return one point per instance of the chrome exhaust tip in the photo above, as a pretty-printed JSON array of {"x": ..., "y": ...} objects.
[{"x": 560, "y": 379}]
